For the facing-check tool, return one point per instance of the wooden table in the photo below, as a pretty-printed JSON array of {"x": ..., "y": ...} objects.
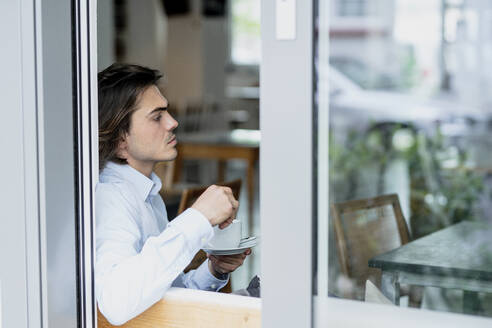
[
  {"x": 457, "y": 257},
  {"x": 222, "y": 146}
]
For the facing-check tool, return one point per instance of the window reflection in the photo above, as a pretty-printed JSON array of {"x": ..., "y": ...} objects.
[{"x": 409, "y": 143}]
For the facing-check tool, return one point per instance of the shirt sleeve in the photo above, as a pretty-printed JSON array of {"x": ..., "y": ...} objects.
[
  {"x": 129, "y": 281},
  {"x": 201, "y": 278}
]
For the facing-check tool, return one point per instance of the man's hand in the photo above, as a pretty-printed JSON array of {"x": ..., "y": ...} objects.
[
  {"x": 219, "y": 265},
  {"x": 218, "y": 205}
]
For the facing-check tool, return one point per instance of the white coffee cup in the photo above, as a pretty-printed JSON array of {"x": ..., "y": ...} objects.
[{"x": 228, "y": 237}]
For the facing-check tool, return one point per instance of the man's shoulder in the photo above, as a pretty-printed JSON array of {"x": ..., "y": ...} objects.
[
  {"x": 115, "y": 191},
  {"x": 116, "y": 205}
]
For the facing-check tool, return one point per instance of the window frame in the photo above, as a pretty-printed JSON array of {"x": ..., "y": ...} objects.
[
  {"x": 286, "y": 175},
  {"x": 86, "y": 154}
]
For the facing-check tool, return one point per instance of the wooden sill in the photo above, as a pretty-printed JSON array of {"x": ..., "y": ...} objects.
[{"x": 182, "y": 307}]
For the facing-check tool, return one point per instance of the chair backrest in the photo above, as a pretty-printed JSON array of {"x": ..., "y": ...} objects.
[
  {"x": 189, "y": 196},
  {"x": 187, "y": 199},
  {"x": 366, "y": 228}
]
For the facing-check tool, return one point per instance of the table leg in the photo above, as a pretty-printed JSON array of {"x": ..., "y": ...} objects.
[
  {"x": 471, "y": 304},
  {"x": 390, "y": 286}
]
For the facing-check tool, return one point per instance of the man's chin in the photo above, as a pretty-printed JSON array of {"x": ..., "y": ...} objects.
[{"x": 169, "y": 157}]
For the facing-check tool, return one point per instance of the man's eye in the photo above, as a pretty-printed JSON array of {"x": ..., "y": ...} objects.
[{"x": 157, "y": 118}]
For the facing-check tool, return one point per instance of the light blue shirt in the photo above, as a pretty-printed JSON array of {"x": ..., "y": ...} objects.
[{"x": 139, "y": 253}]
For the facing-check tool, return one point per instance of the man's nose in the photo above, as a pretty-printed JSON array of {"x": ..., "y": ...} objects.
[{"x": 171, "y": 123}]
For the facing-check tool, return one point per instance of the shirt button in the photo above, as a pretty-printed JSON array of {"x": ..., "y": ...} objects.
[{"x": 214, "y": 286}]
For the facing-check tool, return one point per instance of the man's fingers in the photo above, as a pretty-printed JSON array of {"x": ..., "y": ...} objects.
[
  {"x": 227, "y": 190},
  {"x": 239, "y": 259},
  {"x": 225, "y": 223},
  {"x": 228, "y": 263},
  {"x": 225, "y": 267},
  {"x": 230, "y": 196},
  {"x": 234, "y": 202},
  {"x": 234, "y": 205},
  {"x": 234, "y": 261}
]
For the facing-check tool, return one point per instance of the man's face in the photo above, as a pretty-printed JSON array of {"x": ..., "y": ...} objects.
[{"x": 151, "y": 138}]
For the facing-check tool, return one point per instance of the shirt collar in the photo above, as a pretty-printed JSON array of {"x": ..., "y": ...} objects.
[{"x": 143, "y": 185}]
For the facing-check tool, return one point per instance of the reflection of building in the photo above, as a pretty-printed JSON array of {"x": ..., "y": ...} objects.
[
  {"x": 449, "y": 50},
  {"x": 467, "y": 50},
  {"x": 362, "y": 30},
  {"x": 383, "y": 36}
]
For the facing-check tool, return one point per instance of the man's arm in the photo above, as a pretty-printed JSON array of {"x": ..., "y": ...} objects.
[{"x": 130, "y": 279}]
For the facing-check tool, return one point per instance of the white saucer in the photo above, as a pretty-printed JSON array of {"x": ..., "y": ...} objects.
[{"x": 243, "y": 245}]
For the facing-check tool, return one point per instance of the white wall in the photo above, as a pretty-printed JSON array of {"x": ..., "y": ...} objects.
[
  {"x": 146, "y": 33},
  {"x": 184, "y": 58},
  {"x": 196, "y": 57}
]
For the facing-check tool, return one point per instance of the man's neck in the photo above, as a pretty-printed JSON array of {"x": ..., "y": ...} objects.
[{"x": 145, "y": 168}]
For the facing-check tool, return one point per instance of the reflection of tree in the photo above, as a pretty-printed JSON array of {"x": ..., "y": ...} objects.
[
  {"x": 443, "y": 191},
  {"x": 245, "y": 31},
  {"x": 246, "y": 25}
]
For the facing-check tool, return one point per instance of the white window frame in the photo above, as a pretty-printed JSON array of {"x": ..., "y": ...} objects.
[
  {"x": 20, "y": 286},
  {"x": 286, "y": 154},
  {"x": 85, "y": 21}
]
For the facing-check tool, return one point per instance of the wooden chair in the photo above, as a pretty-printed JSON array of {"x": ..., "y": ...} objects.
[
  {"x": 188, "y": 197},
  {"x": 366, "y": 228}
]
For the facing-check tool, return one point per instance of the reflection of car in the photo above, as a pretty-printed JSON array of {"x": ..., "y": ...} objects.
[
  {"x": 364, "y": 75},
  {"x": 353, "y": 107}
]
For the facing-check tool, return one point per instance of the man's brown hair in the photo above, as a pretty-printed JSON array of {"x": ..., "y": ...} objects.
[{"x": 119, "y": 88}]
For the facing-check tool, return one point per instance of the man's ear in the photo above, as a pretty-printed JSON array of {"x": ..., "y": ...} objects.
[{"x": 122, "y": 151}]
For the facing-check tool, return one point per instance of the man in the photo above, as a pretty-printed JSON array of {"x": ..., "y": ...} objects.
[{"x": 139, "y": 254}]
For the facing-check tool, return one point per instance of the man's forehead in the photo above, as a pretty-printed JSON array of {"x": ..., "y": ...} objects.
[{"x": 151, "y": 98}]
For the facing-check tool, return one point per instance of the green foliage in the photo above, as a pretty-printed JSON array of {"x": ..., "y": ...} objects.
[{"x": 443, "y": 190}]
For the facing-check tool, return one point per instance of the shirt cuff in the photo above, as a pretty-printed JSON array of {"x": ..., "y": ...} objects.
[
  {"x": 209, "y": 281},
  {"x": 195, "y": 226}
]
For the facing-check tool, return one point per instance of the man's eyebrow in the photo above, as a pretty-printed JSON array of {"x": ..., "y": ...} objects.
[{"x": 157, "y": 109}]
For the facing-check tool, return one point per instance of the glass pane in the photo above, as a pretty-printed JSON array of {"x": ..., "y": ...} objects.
[{"x": 408, "y": 157}]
